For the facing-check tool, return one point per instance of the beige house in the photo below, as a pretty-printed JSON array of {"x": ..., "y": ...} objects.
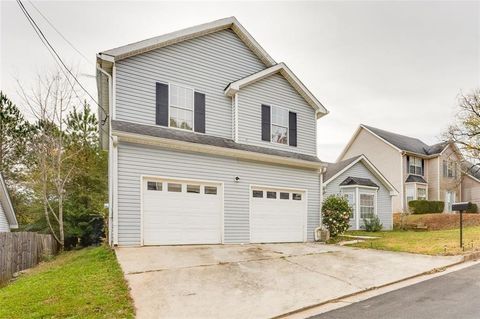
[{"x": 416, "y": 170}]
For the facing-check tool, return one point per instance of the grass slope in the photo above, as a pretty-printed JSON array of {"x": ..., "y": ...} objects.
[
  {"x": 439, "y": 242},
  {"x": 87, "y": 283}
]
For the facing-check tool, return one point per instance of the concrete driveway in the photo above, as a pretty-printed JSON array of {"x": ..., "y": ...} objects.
[{"x": 257, "y": 281}]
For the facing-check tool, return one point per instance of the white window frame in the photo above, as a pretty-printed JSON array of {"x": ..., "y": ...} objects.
[
  {"x": 415, "y": 162},
  {"x": 374, "y": 195},
  {"x": 357, "y": 190},
  {"x": 426, "y": 192},
  {"x": 179, "y": 107},
  {"x": 272, "y": 124}
]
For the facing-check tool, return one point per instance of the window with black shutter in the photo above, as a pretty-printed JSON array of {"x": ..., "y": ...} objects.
[{"x": 266, "y": 123}]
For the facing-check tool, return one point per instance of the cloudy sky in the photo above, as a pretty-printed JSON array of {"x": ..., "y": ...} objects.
[{"x": 397, "y": 65}]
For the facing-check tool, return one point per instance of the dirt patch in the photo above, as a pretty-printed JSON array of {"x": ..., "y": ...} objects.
[{"x": 436, "y": 221}]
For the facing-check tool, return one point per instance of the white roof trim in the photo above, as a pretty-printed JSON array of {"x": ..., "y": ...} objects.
[
  {"x": 473, "y": 177},
  {"x": 7, "y": 204},
  {"x": 215, "y": 150},
  {"x": 371, "y": 168},
  {"x": 354, "y": 136},
  {"x": 281, "y": 68},
  {"x": 135, "y": 48}
]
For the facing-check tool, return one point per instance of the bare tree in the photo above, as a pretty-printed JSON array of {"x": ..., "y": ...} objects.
[
  {"x": 465, "y": 132},
  {"x": 50, "y": 102}
]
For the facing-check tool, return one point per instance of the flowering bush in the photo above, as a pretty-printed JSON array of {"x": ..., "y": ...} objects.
[{"x": 336, "y": 214}]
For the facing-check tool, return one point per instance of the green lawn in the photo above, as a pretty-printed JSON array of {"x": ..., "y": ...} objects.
[
  {"x": 440, "y": 242},
  {"x": 86, "y": 283}
]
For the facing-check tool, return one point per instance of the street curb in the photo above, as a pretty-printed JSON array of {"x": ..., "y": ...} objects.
[{"x": 469, "y": 257}]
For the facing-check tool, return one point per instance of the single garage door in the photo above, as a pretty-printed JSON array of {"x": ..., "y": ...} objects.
[
  {"x": 277, "y": 215},
  {"x": 181, "y": 212}
]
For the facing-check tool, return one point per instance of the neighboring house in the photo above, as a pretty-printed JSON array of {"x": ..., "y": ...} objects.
[
  {"x": 8, "y": 220},
  {"x": 210, "y": 141},
  {"x": 417, "y": 170},
  {"x": 367, "y": 190},
  {"x": 471, "y": 183}
]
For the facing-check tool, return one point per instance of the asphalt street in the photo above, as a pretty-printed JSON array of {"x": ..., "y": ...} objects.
[{"x": 455, "y": 295}]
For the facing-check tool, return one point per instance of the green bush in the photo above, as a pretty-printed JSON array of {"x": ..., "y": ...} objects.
[
  {"x": 426, "y": 206},
  {"x": 336, "y": 214},
  {"x": 372, "y": 224},
  {"x": 472, "y": 208}
]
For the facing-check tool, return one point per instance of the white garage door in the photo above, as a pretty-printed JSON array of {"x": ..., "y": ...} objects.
[
  {"x": 277, "y": 215},
  {"x": 180, "y": 212}
]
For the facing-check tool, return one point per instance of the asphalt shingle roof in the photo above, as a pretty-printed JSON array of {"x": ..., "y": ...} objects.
[
  {"x": 472, "y": 169},
  {"x": 358, "y": 181},
  {"x": 407, "y": 143},
  {"x": 415, "y": 179},
  {"x": 334, "y": 168},
  {"x": 158, "y": 131}
]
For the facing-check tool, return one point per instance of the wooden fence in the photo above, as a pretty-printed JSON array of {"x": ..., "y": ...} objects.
[{"x": 23, "y": 250}]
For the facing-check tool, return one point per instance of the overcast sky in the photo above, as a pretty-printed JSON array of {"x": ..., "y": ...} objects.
[{"x": 393, "y": 65}]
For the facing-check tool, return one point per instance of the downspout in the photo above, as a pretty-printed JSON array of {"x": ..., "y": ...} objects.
[{"x": 110, "y": 157}]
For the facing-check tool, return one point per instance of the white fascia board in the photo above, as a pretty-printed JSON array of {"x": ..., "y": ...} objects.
[
  {"x": 350, "y": 142},
  {"x": 371, "y": 168},
  {"x": 294, "y": 81},
  {"x": 7, "y": 205},
  {"x": 473, "y": 177},
  {"x": 143, "y": 46},
  {"x": 214, "y": 150}
]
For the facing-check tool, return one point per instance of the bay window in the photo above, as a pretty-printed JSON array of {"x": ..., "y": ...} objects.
[{"x": 367, "y": 205}]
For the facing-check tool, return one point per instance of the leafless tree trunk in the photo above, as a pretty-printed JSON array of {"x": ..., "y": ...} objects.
[{"x": 49, "y": 102}]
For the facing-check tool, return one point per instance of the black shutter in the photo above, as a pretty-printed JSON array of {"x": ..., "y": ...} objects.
[
  {"x": 408, "y": 164},
  {"x": 199, "y": 108},
  {"x": 423, "y": 167},
  {"x": 161, "y": 103},
  {"x": 266, "y": 123},
  {"x": 292, "y": 129}
]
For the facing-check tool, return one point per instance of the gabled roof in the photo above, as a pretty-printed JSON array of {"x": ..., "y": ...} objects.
[
  {"x": 415, "y": 179},
  {"x": 407, "y": 143},
  {"x": 135, "y": 48},
  {"x": 358, "y": 181},
  {"x": 401, "y": 143},
  {"x": 7, "y": 204},
  {"x": 334, "y": 170},
  {"x": 281, "y": 68}
]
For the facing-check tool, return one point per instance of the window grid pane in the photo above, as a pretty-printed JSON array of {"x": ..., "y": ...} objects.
[
  {"x": 279, "y": 125},
  {"x": 181, "y": 107},
  {"x": 367, "y": 208}
]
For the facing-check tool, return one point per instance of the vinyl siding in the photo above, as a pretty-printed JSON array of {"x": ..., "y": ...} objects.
[
  {"x": 207, "y": 64},
  {"x": 385, "y": 158},
  {"x": 470, "y": 190},
  {"x": 432, "y": 168},
  {"x": 275, "y": 90},
  {"x": 137, "y": 160},
  {"x": 446, "y": 183},
  {"x": 4, "y": 226},
  {"x": 384, "y": 208}
]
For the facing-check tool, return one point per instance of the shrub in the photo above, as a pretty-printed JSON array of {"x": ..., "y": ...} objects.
[
  {"x": 372, "y": 224},
  {"x": 426, "y": 206},
  {"x": 336, "y": 214},
  {"x": 472, "y": 208}
]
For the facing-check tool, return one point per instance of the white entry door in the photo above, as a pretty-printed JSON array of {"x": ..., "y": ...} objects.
[
  {"x": 277, "y": 215},
  {"x": 181, "y": 212}
]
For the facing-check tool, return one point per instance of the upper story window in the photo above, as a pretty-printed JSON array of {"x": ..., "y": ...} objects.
[
  {"x": 449, "y": 169},
  {"x": 181, "y": 107},
  {"x": 279, "y": 125},
  {"x": 415, "y": 166}
]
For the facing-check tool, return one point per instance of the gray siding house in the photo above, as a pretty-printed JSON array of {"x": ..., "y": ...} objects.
[
  {"x": 367, "y": 190},
  {"x": 210, "y": 141},
  {"x": 8, "y": 220}
]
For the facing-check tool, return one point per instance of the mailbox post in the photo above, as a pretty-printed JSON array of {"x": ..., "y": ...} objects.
[{"x": 461, "y": 207}]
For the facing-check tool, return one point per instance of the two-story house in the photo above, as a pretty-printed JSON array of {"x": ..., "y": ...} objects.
[
  {"x": 417, "y": 170},
  {"x": 210, "y": 141}
]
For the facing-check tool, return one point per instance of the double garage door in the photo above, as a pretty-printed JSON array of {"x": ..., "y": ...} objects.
[{"x": 178, "y": 212}]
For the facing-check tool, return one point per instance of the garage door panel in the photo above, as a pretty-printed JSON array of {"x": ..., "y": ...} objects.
[
  {"x": 275, "y": 219},
  {"x": 171, "y": 218}
]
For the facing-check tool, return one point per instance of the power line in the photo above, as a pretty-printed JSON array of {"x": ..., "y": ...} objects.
[
  {"x": 59, "y": 33},
  {"x": 51, "y": 49}
]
